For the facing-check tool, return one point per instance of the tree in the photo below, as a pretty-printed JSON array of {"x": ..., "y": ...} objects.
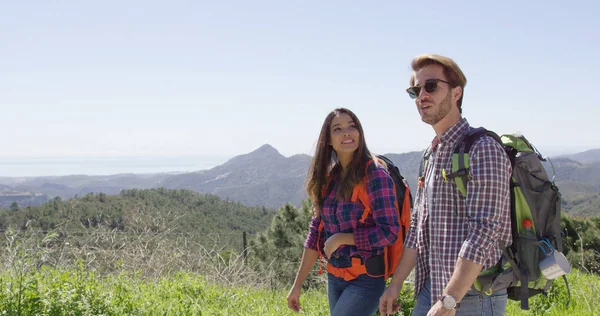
[
  {"x": 279, "y": 249},
  {"x": 14, "y": 207}
]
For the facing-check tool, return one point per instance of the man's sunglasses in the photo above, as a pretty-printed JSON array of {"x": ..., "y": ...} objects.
[{"x": 430, "y": 86}]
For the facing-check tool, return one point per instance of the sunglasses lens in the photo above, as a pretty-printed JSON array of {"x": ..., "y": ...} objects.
[
  {"x": 413, "y": 92},
  {"x": 431, "y": 86}
]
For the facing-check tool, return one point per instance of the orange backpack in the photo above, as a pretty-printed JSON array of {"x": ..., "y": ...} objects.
[{"x": 403, "y": 204}]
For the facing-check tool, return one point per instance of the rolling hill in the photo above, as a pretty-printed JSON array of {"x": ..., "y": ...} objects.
[{"x": 264, "y": 177}]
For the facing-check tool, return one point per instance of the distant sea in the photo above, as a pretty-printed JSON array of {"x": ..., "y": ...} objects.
[{"x": 35, "y": 167}]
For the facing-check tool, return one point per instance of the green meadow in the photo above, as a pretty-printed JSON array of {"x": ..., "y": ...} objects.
[
  {"x": 75, "y": 291},
  {"x": 139, "y": 254}
]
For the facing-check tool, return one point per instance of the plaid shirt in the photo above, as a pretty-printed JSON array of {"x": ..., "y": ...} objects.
[
  {"x": 379, "y": 230},
  {"x": 445, "y": 226}
]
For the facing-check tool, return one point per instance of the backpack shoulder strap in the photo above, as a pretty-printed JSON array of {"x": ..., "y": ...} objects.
[
  {"x": 399, "y": 181},
  {"x": 423, "y": 166},
  {"x": 460, "y": 158},
  {"x": 360, "y": 193}
]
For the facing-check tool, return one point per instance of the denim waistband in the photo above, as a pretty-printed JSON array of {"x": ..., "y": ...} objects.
[{"x": 339, "y": 261}]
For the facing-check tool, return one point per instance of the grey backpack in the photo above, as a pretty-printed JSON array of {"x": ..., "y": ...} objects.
[{"x": 534, "y": 259}]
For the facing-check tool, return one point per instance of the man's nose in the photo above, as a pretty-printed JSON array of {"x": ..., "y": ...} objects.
[{"x": 423, "y": 95}]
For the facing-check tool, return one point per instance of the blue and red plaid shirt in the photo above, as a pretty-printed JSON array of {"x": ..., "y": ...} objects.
[
  {"x": 445, "y": 226},
  {"x": 378, "y": 231}
]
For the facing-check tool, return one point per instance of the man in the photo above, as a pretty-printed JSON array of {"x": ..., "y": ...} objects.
[{"x": 451, "y": 238}]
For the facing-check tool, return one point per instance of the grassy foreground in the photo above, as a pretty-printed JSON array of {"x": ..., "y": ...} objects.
[{"x": 76, "y": 291}]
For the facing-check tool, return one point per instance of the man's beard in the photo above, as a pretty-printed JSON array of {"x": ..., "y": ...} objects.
[{"x": 442, "y": 110}]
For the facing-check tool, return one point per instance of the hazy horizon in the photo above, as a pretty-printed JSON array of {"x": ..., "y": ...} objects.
[
  {"x": 18, "y": 167},
  {"x": 102, "y": 166}
]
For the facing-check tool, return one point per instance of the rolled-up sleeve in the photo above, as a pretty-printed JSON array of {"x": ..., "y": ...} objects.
[
  {"x": 488, "y": 201},
  {"x": 382, "y": 199},
  {"x": 313, "y": 235},
  {"x": 411, "y": 236}
]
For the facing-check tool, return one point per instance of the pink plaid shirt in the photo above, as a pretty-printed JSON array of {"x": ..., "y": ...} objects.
[
  {"x": 379, "y": 230},
  {"x": 445, "y": 226}
]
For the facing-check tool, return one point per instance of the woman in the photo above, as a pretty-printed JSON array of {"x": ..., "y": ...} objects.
[{"x": 353, "y": 248}]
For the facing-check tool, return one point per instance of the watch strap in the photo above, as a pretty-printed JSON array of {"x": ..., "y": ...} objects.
[{"x": 456, "y": 303}]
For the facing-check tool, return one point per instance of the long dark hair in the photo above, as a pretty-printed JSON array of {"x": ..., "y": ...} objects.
[{"x": 326, "y": 164}]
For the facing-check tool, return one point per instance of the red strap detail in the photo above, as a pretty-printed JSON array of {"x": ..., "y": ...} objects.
[{"x": 320, "y": 264}]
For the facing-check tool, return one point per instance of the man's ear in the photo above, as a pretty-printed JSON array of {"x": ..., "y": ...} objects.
[{"x": 456, "y": 93}]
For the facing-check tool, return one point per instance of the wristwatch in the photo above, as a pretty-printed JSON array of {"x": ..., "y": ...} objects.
[{"x": 449, "y": 302}]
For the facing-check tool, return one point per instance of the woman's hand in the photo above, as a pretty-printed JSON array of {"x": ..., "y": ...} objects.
[
  {"x": 335, "y": 241},
  {"x": 331, "y": 245},
  {"x": 293, "y": 299}
]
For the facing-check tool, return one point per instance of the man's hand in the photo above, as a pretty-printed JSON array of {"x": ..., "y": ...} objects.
[
  {"x": 439, "y": 310},
  {"x": 387, "y": 301},
  {"x": 293, "y": 299}
]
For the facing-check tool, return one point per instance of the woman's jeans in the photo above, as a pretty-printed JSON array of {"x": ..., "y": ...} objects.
[
  {"x": 359, "y": 297},
  {"x": 473, "y": 303}
]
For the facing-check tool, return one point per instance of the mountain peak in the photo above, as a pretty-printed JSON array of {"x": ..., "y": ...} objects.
[
  {"x": 265, "y": 149},
  {"x": 264, "y": 154}
]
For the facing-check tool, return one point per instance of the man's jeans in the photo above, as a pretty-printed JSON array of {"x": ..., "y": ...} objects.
[
  {"x": 359, "y": 297},
  {"x": 472, "y": 304}
]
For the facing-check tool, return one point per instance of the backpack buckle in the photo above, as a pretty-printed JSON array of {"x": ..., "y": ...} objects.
[{"x": 452, "y": 175}]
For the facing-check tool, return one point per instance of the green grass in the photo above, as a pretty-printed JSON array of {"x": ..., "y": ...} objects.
[
  {"x": 585, "y": 290},
  {"x": 77, "y": 291}
]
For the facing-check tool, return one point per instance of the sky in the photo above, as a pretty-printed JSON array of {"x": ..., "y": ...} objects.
[{"x": 222, "y": 78}]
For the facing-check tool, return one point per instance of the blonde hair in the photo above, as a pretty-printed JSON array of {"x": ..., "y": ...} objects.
[{"x": 452, "y": 72}]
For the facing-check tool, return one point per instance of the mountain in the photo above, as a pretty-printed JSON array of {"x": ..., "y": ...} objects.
[
  {"x": 408, "y": 164},
  {"x": 265, "y": 177},
  {"x": 592, "y": 155},
  {"x": 69, "y": 186},
  {"x": 568, "y": 170},
  {"x": 262, "y": 177}
]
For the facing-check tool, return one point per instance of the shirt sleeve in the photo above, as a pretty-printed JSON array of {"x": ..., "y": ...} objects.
[
  {"x": 312, "y": 240},
  {"x": 380, "y": 190},
  {"x": 488, "y": 200},
  {"x": 411, "y": 235}
]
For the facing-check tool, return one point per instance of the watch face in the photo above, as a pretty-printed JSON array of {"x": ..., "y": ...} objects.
[{"x": 449, "y": 302}]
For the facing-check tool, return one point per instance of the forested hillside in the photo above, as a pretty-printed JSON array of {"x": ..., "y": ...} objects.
[{"x": 176, "y": 212}]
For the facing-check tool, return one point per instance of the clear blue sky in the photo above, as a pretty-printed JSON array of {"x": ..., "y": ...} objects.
[{"x": 221, "y": 78}]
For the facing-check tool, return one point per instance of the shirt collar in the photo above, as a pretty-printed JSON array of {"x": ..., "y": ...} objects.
[{"x": 453, "y": 134}]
